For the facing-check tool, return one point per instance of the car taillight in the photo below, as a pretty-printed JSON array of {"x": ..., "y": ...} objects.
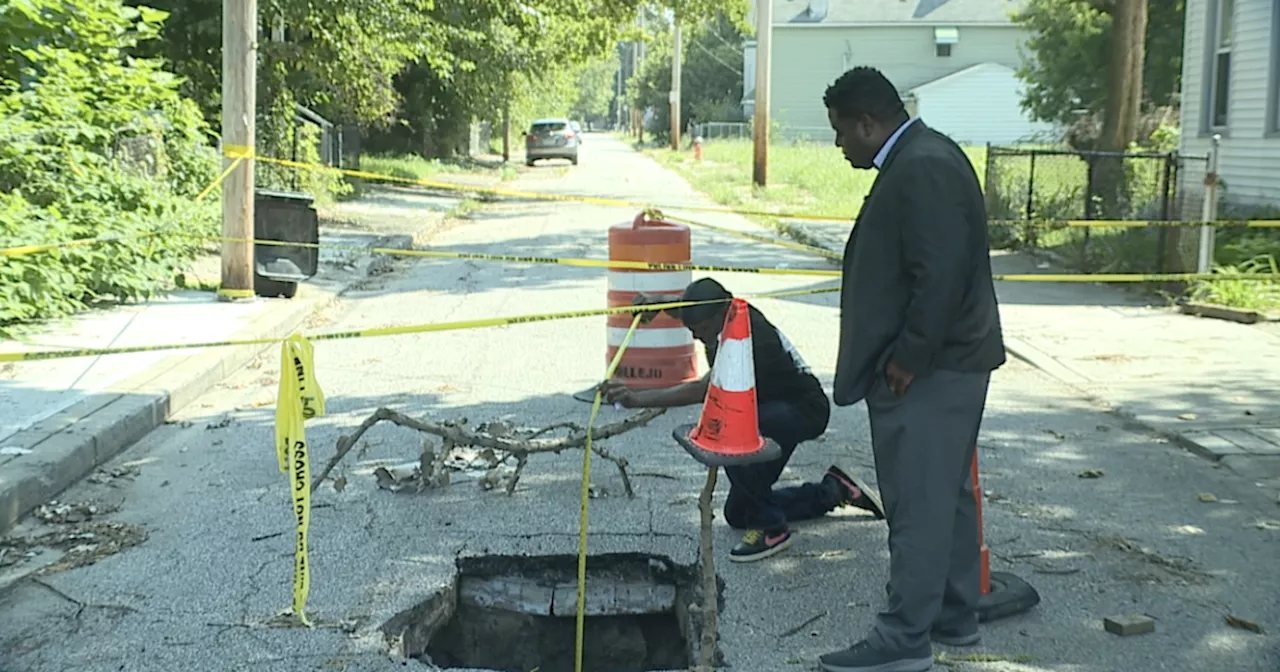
[{"x": 531, "y": 137}]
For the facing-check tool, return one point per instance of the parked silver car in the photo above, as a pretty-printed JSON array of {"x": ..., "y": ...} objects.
[{"x": 551, "y": 139}]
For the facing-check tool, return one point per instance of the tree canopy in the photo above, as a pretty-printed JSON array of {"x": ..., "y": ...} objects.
[{"x": 1069, "y": 49}]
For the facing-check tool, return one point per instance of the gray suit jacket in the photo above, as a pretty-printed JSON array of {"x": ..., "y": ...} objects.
[{"x": 917, "y": 284}]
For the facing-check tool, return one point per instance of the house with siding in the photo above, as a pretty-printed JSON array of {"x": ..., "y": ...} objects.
[
  {"x": 954, "y": 62},
  {"x": 1231, "y": 88}
]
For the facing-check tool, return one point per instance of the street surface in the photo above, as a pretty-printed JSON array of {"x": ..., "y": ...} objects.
[{"x": 1103, "y": 521}]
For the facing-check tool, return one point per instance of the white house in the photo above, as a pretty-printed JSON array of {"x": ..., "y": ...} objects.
[
  {"x": 1231, "y": 87},
  {"x": 952, "y": 60}
]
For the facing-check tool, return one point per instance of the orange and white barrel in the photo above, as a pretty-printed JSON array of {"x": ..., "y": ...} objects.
[{"x": 661, "y": 353}]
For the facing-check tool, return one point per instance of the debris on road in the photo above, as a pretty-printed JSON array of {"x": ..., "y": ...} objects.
[
  {"x": 1208, "y": 497},
  {"x": 59, "y": 513},
  {"x": 109, "y": 476},
  {"x": 1241, "y": 624},
  {"x": 1092, "y": 473},
  {"x": 1129, "y": 625},
  {"x": 482, "y": 446},
  {"x": 83, "y": 544}
]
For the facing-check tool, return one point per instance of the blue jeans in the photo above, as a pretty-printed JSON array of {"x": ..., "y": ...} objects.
[{"x": 753, "y": 502}]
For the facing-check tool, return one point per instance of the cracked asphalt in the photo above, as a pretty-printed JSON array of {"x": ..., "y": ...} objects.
[{"x": 1101, "y": 520}]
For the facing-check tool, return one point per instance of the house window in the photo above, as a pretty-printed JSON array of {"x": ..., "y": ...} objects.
[
  {"x": 1220, "y": 64},
  {"x": 943, "y": 40}
]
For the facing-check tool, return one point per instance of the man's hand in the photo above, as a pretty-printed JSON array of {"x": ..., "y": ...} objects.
[
  {"x": 618, "y": 393},
  {"x": 644, "y": 300},
  {"x": 899, "y": 379}
]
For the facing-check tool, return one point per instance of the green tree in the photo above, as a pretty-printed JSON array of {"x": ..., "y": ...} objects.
[
  {"x": 93, "y": 143},
  {"x": 711, "y": 78},
  {"x": 1067, "y": 55},
  {"x": 597, "y": 86}
]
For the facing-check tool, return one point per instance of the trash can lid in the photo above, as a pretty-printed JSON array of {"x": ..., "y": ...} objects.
[{"x": 283, "y": 195}]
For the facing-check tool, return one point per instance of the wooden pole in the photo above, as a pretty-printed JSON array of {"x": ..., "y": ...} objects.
[
  {"x": 506, "y": 132},
  {"x": 675, "y": 89},
  {"x": 239, "y": 101},
  {"x": 764, "y": 60},
  {"x": 710, "y": 603}
]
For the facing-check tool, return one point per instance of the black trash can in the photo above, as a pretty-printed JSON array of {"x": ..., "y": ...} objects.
[{"x": 286, "y": 217}]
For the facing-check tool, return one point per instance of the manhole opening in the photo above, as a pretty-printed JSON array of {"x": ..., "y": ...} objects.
[{"x": 515, "y": 614}]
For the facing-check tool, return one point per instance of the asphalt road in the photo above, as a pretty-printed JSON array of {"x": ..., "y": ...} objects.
[{"x": 201, "y": 590}]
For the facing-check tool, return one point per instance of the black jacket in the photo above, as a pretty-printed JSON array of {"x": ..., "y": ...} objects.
[{"x": 917, "y": 284}]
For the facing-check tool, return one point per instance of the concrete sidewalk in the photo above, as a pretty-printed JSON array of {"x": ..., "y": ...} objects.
[
  {"x": 1211, "y": 386},
  {"x": 63, "y": 418}
]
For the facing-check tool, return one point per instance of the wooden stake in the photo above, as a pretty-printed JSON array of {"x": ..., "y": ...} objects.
[{"x": 710, "y": 586}]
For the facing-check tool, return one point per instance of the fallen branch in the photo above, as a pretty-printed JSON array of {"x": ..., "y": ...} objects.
[{"x": 454, "y": 434}]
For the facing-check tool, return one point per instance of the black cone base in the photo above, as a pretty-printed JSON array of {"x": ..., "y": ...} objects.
[
  {"x": 770, "y": 451},
  {"x": 1009, "y": 596},
  {"x": 589, "y": 396}
]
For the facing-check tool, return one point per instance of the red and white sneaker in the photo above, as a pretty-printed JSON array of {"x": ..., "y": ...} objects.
[
  {"x": 758, "y": 545},
  {"x": 854, "y": 492}
]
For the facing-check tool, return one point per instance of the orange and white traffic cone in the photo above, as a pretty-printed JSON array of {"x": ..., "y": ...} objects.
[{"x": 728, "y": 433}]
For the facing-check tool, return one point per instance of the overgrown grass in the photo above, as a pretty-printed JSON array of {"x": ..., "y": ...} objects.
[
  {"x": 410, "y": 167},
  {"x": 803, "y": 178},
  {"x": 808, "y": 178},
  {"x": 1243, "y": 292}
]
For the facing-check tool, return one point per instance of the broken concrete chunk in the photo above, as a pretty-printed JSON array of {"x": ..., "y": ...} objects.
[{"x": 1129, "y": 625}]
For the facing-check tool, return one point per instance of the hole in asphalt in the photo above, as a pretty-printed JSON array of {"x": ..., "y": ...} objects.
[{"x": 515, "y": 614}]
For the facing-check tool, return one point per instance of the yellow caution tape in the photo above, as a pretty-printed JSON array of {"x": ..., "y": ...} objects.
[
  {"x": 757, "y": 237},
  {"x": 586, "y": 497},
  {"x": 222, "y": 176},
  {"x": 819, "y": 272},
  {"x": 1137, "y": 277},
  {"x": 620, "y": 202},
  {"x": 560, "y": 261},
  {"x": 23, "y": 250},
  {"x": 235, "y": 293},
  {"x": 300, "y": 399},
  {"x": 41, "y": 355}
]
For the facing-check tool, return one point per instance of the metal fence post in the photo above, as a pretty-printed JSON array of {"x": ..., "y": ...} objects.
[
  {"x": 1091, "y": 162},
  {"x": 1209, "y": 211},
  {"x": 1029, "y": 233},
  {"x": 1166, "y": 203}
]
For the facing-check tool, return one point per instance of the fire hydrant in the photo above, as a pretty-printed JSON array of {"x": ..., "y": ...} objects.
[{"x": 697, "y": 148}]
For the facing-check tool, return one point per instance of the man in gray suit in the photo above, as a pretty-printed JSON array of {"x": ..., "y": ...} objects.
[{"x": 919, "y": 337}]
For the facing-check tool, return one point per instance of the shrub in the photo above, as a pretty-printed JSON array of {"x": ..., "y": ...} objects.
[{"x": 94, "y": 144}]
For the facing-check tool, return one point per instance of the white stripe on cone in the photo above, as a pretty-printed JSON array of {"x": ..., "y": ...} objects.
[
  {"x": 734, "y": 369},
  {"x": 666, "y": 337},
  {"x": 671, "y": 282}
]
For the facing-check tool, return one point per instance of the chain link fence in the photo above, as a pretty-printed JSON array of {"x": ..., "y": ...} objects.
[
  {"x": 1039, "y": 185},
  {"x": 723, "y": 130}
]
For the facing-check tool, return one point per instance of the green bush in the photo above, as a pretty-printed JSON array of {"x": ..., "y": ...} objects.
[{"x": 94, "y": 144}]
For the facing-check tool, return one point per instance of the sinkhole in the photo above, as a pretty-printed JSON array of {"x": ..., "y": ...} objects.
[{"x": 517, "y": 613}]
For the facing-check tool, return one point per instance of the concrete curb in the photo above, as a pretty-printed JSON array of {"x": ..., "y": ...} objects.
[{"x": 78, "y": 440}]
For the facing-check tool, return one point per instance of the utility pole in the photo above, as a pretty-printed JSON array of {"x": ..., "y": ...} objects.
[
  {"x": 764, "y": 63},
  {"x": 675, "y": 88},
  {"x": 637, "y": 115},
  {"x": 506, "y": 131},
  {"x": 239, "y": 101}
]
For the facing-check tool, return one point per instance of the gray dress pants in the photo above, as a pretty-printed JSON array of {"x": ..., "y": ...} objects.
[{"x": 924, "y": 444}]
